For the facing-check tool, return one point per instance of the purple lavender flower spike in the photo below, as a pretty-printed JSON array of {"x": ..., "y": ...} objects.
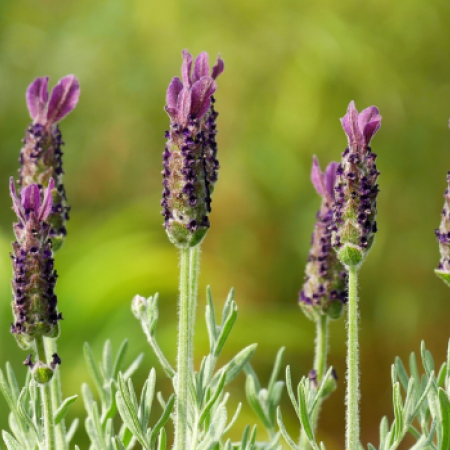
[
  {"x": 34, "y": 304},
  {"x": 443, "y": 237},
  {"x": 356, "y": 187},
  {"x": 190, "y": 157},
  {"x": 41, "y": 155},
  {"x": 324, "y": 290}
]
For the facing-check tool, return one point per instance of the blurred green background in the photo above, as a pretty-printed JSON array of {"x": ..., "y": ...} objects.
[{"x": 291, "y": 69}]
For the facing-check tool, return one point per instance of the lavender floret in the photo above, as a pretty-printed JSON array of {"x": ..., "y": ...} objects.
[
  {"x": 35, "y": 303},
  {"x": 324, "y": 290},
  {"x": 190, "y": 157},
  {"x": 356, "y": 187},
  {"x": 41, "y": 155}
]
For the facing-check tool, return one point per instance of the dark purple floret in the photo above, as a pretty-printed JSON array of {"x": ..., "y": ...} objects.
[
  {"x": 41, "y": 155},
  {"x": 324, "y": 290},
  {"x": 356, "y": 187},
  {"x": 34, "y": 278},
  {"x": 190, "y": 162}
]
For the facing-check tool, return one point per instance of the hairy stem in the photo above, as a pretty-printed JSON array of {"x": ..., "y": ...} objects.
[
  {"x": 352, "y": 396},
  {"x": 47, "y": 407},
  {"x": 320, "y": 366},
  {"x": 193, "y": 283},
  {"x": 56, "y": 393},
  {"x": 183, "y": 364}
]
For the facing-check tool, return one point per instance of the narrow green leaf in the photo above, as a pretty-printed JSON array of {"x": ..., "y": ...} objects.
[
  {"x": 291, "y": 392},
  {"x": 6, "y": 391},
  {"x": 401, "y": 373},
  {"x": 447, "y": 378},
  {"x": 413, "y": 370},
  {"x": 227, "y": 306},
  {"x": 274, "y": 399},
  {"x": 118, "y": 444},
  {"x": 12, "y": 381},
  {"x": 120, "y": 358},
  {"x": 444, "y": 444},
  {"x": 304, "y": 416},
  {"x": 93, "y": 370},
  {"x": 370, "y": 446},
  {"x": 245, "y": 436},
  {"x": 283, "y": 431},
  {"x": 88, "y": 398},
  {"x": 22, "y": 404},
  {"x": 210, "y": 317},
  {"x": 133, "y": 366},
  {"x": 252, "y": 398},
  {"x": 226, "y": 329},
  {"x": 235, "y": 366},
  {"x": 127, "y": 406},
  {"x": 158, "y": 428},
  {"x": 253, "y": 436},
  {"x": 384, "y": 429},
  {"x": 233, "y": 420},
  {"x": 71, "y": 431},
  {"x": 10, "y": 442},
  {"x": 441, "y": 375},
  {"x": 148, "y": 399},
  {"x": 398, "y": 411},
  {"x": 276, "y": 369},
  {"x": 62, "y": 410},
  {"x": 318, "y": 396},
  {"x": 212, "y": 400},
  {"x": 427, "y": 359},
  {"x": 162, "y": 439},
  {"x": 143, "y": 413},
  {"x": 107, "y": 364}
]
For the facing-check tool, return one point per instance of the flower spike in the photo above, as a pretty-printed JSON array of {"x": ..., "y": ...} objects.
[
  {"x": 41, "y": 155},
  {"x": 324, "y": 290},
  {"x": 190, "y": 157},
  {"x": 356, "y": 187},
  {"x": 34, "y": 305}
]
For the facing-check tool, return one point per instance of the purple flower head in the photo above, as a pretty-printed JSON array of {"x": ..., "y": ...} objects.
[
  {"x": 190, "y": 157},
  {"x": 356, "y": 187},
  {"x": 443, "y": 237},
  {"x": 41, "y": 155},
  {"x": 360, "y": 128},
  {"x": 63, "y": 99},
  {"x": 191, "y": 98},
  {"x": 324, "y": 289},
  {"x": 34, "y": 305}
]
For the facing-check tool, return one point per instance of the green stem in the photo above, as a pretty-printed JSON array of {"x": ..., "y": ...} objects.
[
  {"x": 193, "y": 283},
  {"x": 47, "y": 407},
  {"x": 320, "y": 366},
  {"x": 352, "y": 419},
  {"x": 183, "y": 365},
  {"x": 56, "y": 392}
]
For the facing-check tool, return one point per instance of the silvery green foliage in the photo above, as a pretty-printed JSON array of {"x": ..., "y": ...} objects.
[
  {"x": 425, "y": 413},
  {"x": 116, "y": 393},
  {"x": 305, "y": 403},
  {"x": 27, "y": 431},
  {"x": 264, "y": 401},
  {"x": 208, "y": 419}
]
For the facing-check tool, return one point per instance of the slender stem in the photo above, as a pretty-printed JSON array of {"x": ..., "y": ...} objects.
[
  {"x": 56, "y": 392},
  {"x": 352, "y": 419},
  {"x": 193, "y": 283},
  {"x": 47, "y": 407},
  {"x": 320, "y": 366},
  {"x": 321, "y": 347},
  {"x": 183, "y": 375}
]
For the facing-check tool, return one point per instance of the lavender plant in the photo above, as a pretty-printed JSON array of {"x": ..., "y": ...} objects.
[{"x": 117, "y": 418}]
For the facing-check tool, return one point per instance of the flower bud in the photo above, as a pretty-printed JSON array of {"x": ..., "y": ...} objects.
[
  {"x": 190, "y": 157},
  {"x": 41, "y": 155},
  {"x": 443, "y": 236},
  {"x": 34, "y": 305},
  {"x": 139, "y": 306},
  {"x": 324, "y": 290},
  {"x": 356, "y": 187}
]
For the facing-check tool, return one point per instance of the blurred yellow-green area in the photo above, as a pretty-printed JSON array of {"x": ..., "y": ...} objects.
[{"x": 292, "y": 66}]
